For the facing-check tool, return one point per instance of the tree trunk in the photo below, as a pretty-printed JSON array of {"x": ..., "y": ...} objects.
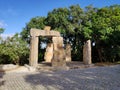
[{"x": 100, "y": 54}]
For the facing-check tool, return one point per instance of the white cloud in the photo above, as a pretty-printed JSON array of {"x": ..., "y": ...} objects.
[
  {"x": 2, "y": 24},
  {"x": 7, "y": 35}
]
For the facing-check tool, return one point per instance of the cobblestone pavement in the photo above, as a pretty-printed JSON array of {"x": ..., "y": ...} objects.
[{"x": 97, "y": 78}]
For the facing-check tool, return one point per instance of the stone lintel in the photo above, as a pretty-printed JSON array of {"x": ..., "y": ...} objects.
[{"x": 38, "y": 32}]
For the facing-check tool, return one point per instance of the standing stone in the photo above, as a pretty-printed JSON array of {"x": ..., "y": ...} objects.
[
  {"x": 87, "y": 53},
  {"x": 49, "y": 52},
  {"x": 58, "y": 52},
  {"x": 68, "y": 53},
  {"x": 34, "y": 51}
]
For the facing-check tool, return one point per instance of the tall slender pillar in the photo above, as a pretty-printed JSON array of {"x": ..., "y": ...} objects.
[
  {"x": 34, "y": 51},
  {"x": 87, "y": 52},
  {"x": 49, "y": 53},
  {"x": 68, "y": 53}
]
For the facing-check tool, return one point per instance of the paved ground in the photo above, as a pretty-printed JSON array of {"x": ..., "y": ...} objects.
[{"x": 95, "y": 78}]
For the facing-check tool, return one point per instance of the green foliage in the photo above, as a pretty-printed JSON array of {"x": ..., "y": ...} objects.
[
  {"x": 101, "y": 25},
  {"x": 58, "y": 19},
  {"x": 1, "y": 30},
  {"x": 13, "y": 50},
  {"x": 105, "y": 26},
  {"x": 37, "y": 22}
]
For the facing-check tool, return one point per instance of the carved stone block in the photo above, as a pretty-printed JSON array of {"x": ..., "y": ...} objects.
[{"x": 47, "y": 28}]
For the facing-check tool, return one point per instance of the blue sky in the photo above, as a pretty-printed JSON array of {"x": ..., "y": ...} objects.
[{"x": 14, "y": 14}]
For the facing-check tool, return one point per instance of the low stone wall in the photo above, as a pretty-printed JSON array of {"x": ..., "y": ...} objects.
[{"x": 8, "y": 67}]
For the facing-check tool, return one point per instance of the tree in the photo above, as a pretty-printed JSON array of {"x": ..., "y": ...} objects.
[
  {"x": 58, "y": 20},
  {"x": 14, "y": 50},
  {"x": 1, "y": 30},
  {"x": 36, "y": 22},
  {"x": 39, "y": 23},
  {"x": 68, "y": 22},
  {"x": 104, "y": 23},
  {"x": 114, "y": 36},
  {"x": 77, "y": 25}
]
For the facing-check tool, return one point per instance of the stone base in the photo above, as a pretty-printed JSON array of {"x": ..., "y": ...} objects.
[
  {"x": 59, "y": 58},
  {"x": 58, "y": 63}
]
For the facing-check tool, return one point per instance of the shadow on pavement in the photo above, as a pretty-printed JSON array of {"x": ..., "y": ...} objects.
[
  {"x": 100, "y": 78},
  {"x": 2, "y": 81},
  {"x": 52, "y": 81}
]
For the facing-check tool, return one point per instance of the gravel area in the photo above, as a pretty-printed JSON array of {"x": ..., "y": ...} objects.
[{"x": 95, "y": 78}]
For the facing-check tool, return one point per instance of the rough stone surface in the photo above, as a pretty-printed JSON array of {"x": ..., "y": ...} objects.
[
  {"x": 68, "y": 53},
  {"x": 58, "y": 52},
  {"x": 98, "y": 78},
  {"x": 38, "y": 32},
  {"x": 34, "y": 43},
  {"x": 34, "y": 51},
  {"x": 49, "y": 52},
  {"x": 87, "y": 52},
  {"x": 58, "y": 40},
  {"x": 47, "y": 28}
]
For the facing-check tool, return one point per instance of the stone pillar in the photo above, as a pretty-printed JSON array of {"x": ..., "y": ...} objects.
[
  {"x": 49, "y": 52},
  {"x": 58, "y": 52},
  {"x": 33, "y": 51},
  {"x": 87, "y": 53},
  {"x": 68, "y": 53}
]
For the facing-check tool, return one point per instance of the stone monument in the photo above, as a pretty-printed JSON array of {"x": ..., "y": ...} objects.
[
  {"x": 68, "y": 53},
  {"x": 49, "y": 53},
  {"x": 58, "y": 50},
  {"x": 87, "y": 53}
]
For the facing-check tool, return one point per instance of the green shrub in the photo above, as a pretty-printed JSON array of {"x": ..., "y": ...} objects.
[{"x": 14, "y": 50}]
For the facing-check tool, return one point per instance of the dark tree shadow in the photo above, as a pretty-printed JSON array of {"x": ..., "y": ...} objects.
[
  {"x": 83, "y": 79},
  {"x": 51, "y": 80}
]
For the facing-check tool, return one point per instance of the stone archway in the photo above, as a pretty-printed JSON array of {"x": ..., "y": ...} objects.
[
  {"x": 60, "y": 56},
  {"x": 58, "y": 59}
]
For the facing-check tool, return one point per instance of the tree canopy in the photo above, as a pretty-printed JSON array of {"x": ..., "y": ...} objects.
[{"x": 76, "y": 25}]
